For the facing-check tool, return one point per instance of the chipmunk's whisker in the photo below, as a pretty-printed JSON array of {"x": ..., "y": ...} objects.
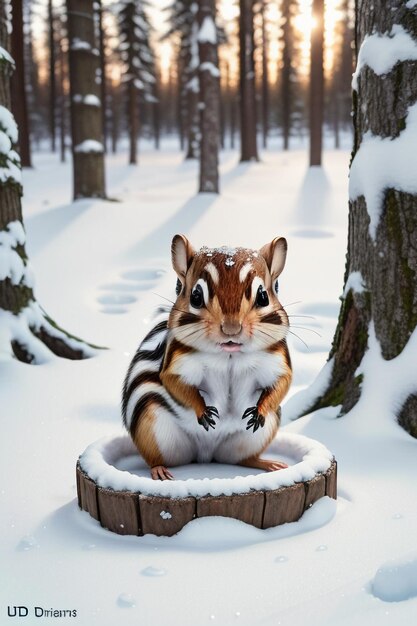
[
  {"x": 311, "y": 330},
  {"x": 173, "y": 305},
  {"x": 302, "y": 341},
  {"x": 291, "y": 304}
]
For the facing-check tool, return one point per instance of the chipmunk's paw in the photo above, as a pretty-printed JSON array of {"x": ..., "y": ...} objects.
[
  {"x": 207, "y": 418},
  {"x": 256, "y": 419},
  {"x": 160, "y": 472}
]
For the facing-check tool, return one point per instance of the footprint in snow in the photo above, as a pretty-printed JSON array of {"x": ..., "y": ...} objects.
[{"x": 116, "y": 296}]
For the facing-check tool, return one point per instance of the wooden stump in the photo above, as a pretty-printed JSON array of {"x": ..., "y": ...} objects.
[{"x": 127, "y": 513}]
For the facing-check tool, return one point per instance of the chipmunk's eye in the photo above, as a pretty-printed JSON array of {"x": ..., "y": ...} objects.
[
  {"x": 276, "y": 287},
  {"x": 197, "y": 297},
  {"x": 178, "y": 287},
  {"x": 262, "y": 298}
]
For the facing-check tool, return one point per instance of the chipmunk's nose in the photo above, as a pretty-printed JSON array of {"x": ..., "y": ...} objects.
[{"x": 231, "y": 327}]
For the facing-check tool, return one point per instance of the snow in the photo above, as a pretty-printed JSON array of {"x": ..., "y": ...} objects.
[
  {"x": 8, "y": 136},
  {"x": 381, "y": 52},
  {"x": 411, "y": 4},
  {"x": 384, "y": 163},
  {"x": 193, "y": 84},
  {"x": 296, "y": 405},
  {"x": 308, "y": 457},
  {"x": 5, "y": 143},
  {"x": 89, "y": 99},
  {"x": 5, "y": 56},
  {"x": 318, "y": 571},
  {"x": 210, "y": 67},
  {"x": 396, "y": 580},
  {"x": 11, "y": 263},
  {"x": 355, "y": 282},
  {"x": 89, "y": 145},
  {"x": 78, "y": 44},
  {"x": 207, "y": 32},
  {"x": 7, "y": 124}
]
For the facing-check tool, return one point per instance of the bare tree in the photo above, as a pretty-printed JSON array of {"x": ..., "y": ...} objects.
[
  {"x": 28, "y": 334},
  {"x": 380, "y": 293},
  {"x": 316, "y": 83},
  {"x": 86, "y": 106},
  {"x": 209, "y": 78},
  {"x": 249, "y": 150}
]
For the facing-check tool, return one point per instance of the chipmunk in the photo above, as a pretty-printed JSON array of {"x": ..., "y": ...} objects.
[{"x": 207, "y": 381}]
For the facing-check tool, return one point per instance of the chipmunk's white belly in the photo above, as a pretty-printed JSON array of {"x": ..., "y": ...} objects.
[{"x": 230, "y": 382}]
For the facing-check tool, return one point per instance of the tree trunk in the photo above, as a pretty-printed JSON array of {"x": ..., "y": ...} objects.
[
  {"x": 103, "y": 85},
  {"x": 192, "y": 95},
  {"x": 156, "y": 109},
  {"x": 19, "y": 99},
  {"x": 316, "y": 83},
  {"x": 133, "y": 123},
  {"x": 115, "y": 114},
  {"x": 180, "y": 100},
  {"x": 62, "y": 96},
  {"x": 249, "y": 150},
  {"x": 52, "y": 82},
  {"x": 209, "y": 78},
  {"x": 286, "y": 86},
  {"x": 265, "y": 78},
  {"x": 86, "y": 106},
  {"x": 380, "y": 251},
  {"x": 27, "y": 332}
]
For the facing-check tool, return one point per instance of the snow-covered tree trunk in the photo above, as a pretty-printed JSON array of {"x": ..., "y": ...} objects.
[
  {"x": 209, "y": 79},
  {"x": 249, "y": 150},
  {"x": 103, "y": 84},
  {"x": 139, "y": 66},
  {"x": 380, "y": 293},
  {"x": 192, "y": 92},
  {"x": 86, "y": 106},
  {"x": 26, "y": 332},
  {"x": 18, "y": 85},
  {"x": 316, "y": 82}
]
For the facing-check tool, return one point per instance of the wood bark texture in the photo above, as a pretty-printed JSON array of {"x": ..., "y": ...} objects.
[
  {"x": 86, "y": 118},
  {"x": 209, "y": 80},
  {"x": 265, "y": 77},
  {"x": 286, "y": 71},
  {"x": 52, "y": 81},
  {"x": 18, "y": 83},
  {"x": 316, "y": 83},
  {"x": 127, "y": 513},
  {"x": 388, "y": 264},
  {"x": 249, "y": 149}
]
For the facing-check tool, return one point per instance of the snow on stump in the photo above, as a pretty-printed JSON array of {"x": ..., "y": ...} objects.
[{"x": 114, "y": 487}]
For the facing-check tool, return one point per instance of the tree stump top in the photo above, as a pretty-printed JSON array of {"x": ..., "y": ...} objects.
[{"x": 114, "y": 487}]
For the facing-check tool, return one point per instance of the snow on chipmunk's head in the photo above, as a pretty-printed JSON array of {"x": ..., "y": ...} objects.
[{"x": 227, "y": 298}]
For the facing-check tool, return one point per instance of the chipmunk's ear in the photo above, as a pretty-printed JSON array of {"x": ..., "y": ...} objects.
[
  {"x": 275, "y": 254},
  {"x": 182, "y": 254}
]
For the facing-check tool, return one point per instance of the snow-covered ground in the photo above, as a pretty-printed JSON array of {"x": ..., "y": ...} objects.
[{"x": 101, "y": 268}]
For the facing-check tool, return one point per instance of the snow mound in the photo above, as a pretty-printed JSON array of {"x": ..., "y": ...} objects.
[
  {"x": 103, "y": 460},
  {"x": 396, "y": 581}
]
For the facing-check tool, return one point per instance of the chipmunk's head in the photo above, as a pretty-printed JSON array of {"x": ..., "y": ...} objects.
[{"x": 227, "y": 298}]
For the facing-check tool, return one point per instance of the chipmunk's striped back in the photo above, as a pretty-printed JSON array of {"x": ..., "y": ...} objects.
[{"x": 142, "y": 385}]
